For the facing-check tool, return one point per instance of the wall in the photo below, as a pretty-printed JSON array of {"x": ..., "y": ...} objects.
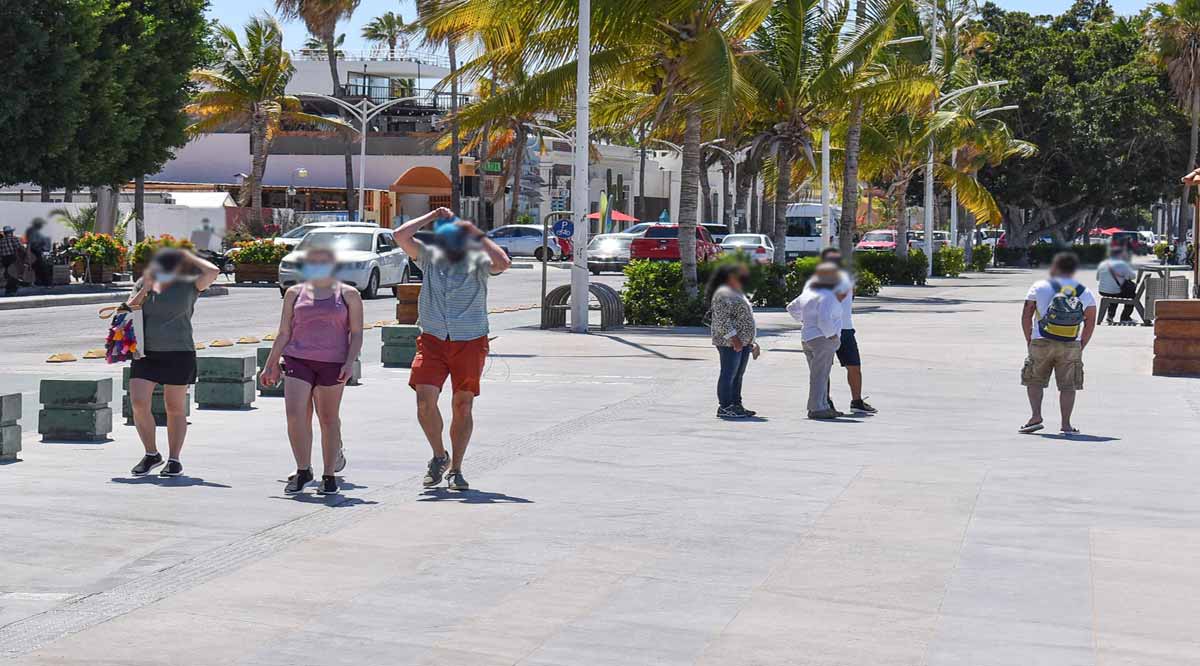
[
  {"x": 217, "y": 158},
  {"x": 178, "y": 221}
]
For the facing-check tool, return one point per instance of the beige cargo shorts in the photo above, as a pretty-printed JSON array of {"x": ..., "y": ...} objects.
[{"x": 1064, "y": 359}]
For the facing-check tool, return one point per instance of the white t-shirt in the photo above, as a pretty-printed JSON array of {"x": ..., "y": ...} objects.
[
  {"x": 819, "y": 313},
  {"x": 1112, "y": 273},
  {"x": 846, "y": 286},
  {"x": 1041, "y": 292}
]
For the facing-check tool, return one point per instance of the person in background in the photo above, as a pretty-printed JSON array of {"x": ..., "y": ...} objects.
[
  {"x": 12, "y": 260},
  {"x": 733, "y": 334},
  {"x": 39, "y": 249},
  {"x": 819, "y": 310},
  {"x": 1058, "y": 320},
  {"x": 454, "y": 331},
  {"x": 166, "y": 295},
  {"x": 320, "y": 335},
  {"x": 1116, "y": 279},
  {"x": 847, "y": 353}
]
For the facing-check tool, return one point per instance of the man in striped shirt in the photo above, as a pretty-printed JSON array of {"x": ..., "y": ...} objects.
[{"x": 452, "y": 314}]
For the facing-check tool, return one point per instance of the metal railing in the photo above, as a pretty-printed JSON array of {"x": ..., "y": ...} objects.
[
  {"x": 376, "y": 55},
  {"x": 426, "y": 97}
]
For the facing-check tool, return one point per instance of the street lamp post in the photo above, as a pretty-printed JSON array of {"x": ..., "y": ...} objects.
[
  {"x": 580, "y": 198},
  {"x": 732, "y": 160},
  {"x": 364, "y": 111}
]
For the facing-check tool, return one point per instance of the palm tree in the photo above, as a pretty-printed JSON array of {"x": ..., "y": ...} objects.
[
  {"x": 389, "y": 28},
  {"x": 316, "y": 48},
  {"x": 247, "y": 90},
  {"x": 321, "y": 18},
  {"x": 1174, "y": 36}
]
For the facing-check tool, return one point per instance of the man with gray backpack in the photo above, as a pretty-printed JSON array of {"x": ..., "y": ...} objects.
[{"x": 1058, "y": 320}]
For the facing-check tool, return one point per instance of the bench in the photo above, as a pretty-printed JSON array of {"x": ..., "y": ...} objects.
[
  {"x": 608, "y": 302},
  {"x": 1105, "y": 301}
]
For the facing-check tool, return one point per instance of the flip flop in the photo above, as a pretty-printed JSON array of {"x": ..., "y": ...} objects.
[
  {"x": 1070, "y": 431},
  {"x": 1031, "y": 427}
]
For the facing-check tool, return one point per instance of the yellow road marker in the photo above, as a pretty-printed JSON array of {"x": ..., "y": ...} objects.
[
  {"x": 221, "y": 343},
  {"x": 248, "y": 340},
  {"x": 94, "y": 353},
  {"x": 201, "y": 345},
  {"x": 61, "y": 358},
  {"x": 269, "y": 337}
]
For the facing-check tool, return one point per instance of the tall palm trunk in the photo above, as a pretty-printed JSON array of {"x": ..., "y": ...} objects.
[
  {"x": 517, "y": 162},
  {"x": 348, "y": 144},
  {"x": 900, "y": 190},
  {"x": 258, "y": 167},
  {"x": 481, "y": 173},
  {"x": 455, "y": 144},
  {"x": 783, "y": 184},
  {"x": 706, "y": 213},
  {"x": 688, "y": 177},
  {"x": 850, "y": 179},
  {"x": 726, "y": 197}
]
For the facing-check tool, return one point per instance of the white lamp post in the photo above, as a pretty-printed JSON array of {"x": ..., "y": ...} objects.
[
  {"x": 580, "y": 196},
  {"x": 732, "y": 160},
  {"x": 364, "y": 111}
]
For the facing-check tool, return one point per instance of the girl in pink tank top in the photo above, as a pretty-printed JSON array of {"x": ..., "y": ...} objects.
[{"x": 319, "y": 338}]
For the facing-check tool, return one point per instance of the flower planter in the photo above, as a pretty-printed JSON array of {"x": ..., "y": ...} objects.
[
  {"x": 61, "y": 274},
  {"x": 406, "y": 302},
  {"x": 100, "y": 274},
  {"x": 256, "y": 273}
]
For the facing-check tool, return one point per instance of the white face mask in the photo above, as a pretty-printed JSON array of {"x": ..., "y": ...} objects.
[
  {"x": 165, "y": 277},
  {"x": 319, "y": 271}
]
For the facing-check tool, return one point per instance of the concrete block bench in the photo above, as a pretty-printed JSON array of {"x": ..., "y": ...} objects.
[
  {"x": 10, "y": 430},
  {"x": 399, "y": 345},
  {"x": 225, "y": 382},
  {"x": 158, "y": 404},
  {"x": 75, "y": 410}
]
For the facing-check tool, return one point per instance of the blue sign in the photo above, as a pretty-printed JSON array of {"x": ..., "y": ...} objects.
[{"x": 563, "y": 228}]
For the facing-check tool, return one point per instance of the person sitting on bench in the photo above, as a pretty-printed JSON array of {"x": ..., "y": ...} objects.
[{"x": 1116, "y": 278}]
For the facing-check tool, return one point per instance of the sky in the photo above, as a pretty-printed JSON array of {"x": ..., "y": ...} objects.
[{"x": 235, "y": 13}]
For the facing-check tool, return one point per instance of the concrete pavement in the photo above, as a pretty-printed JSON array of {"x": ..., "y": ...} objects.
[{"x": 615, "y": 521}]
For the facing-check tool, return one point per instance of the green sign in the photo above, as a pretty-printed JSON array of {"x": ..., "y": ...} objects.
[{"x": 493, "y": 166}]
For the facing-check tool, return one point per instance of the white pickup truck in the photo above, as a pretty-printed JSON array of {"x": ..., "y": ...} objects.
[{"x": 804, "y": 226}]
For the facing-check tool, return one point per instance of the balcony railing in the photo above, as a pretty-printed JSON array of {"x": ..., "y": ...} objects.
[
  {"x": 377, "y": 55},
  {"x": 426, "y": 98}
]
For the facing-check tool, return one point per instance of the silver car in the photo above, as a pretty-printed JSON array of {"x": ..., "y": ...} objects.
[
  {"x": 525, "y": 240},
  {"x": 367, "y": 258},
  {"x": 758, "y": 246},
  {"x": 609, "y": 252}
]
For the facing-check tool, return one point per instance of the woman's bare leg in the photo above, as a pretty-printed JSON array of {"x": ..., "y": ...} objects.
[{"x": 297, "y": 402}]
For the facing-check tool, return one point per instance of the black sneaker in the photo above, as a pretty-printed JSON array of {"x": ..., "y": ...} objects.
[
  {"x": 297, "y": 481},
  {"x": 744, "y": 411},
  {"x": 729, "y": 413},
  {"x": 329, "y": 485},
  {"x": 147, "y": 464},
  {"x": 341, "y": 462},
  {"x": 172, "y": 468},
  {"x": 437, "y": 469},
  {"x": 455, "y": 481},
  {"x": 862, "y": 406}
]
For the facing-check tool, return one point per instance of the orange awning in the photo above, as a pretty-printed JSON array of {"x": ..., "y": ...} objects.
[{"x": 422, "y": 180}]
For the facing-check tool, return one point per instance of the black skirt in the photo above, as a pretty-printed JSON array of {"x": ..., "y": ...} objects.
[{"x": 172, "y": 368}]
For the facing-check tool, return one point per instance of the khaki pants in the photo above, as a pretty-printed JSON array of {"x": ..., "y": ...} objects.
[{"x": 820, "y": 353}]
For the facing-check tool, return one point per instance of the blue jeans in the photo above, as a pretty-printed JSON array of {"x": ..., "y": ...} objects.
[{"x": 729, "y": 383}]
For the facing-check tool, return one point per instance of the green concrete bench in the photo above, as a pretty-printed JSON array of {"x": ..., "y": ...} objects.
[
  {"x": 10, "y": 430},
  {"x": 225, "y": 382},
  {"x": 399, "y": 345},
  {"x": 75, "y": 410}
]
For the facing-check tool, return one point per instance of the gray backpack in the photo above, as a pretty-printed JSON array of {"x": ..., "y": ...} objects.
[{"x": 1064, "y": 315}]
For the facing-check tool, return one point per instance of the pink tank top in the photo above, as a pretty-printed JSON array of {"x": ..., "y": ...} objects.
[{"x": 320, "y": 328}]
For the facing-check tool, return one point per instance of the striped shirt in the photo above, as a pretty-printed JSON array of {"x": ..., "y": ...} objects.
[{"x": 453, "y": 301}]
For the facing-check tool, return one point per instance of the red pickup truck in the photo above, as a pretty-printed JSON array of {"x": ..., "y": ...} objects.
[{"x": 661, "y": 243}]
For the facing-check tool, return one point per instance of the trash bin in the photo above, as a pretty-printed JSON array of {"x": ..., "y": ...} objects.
[{"x": 1158, "y": 288}]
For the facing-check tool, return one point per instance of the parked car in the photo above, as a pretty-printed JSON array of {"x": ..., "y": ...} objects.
[
  {"x": 717, "y": 231},
  {"x": 880, "y": 239},
  {"x": 525, "y": 240},
  {"x": 292, "y": 237},
  {"x": 916, "y": 240},
  {"x": 638, "y": 229},
  {"x": 1148, "y": 239},
  {"x": 1130, "y": 239},
  {"x": 758, "y": 246},
  {"x": 661, "y": 242},
  {"x": 367, "y": 258},
  {"x": 608, "y": 252},
  {"x": 804, "y": 228}
]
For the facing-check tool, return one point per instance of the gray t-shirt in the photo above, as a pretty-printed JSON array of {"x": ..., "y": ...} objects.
[
  {"x": 453, "y": 301},
  {"x": 167, "y": 318}
]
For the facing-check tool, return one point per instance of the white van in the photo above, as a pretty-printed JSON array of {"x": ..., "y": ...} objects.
[{"x": 804, "y": 226}]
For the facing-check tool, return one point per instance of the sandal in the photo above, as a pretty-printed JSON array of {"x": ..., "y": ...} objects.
[
  {"x": 1070, "y": 431},
  {"x": 1032, "y": 426}
]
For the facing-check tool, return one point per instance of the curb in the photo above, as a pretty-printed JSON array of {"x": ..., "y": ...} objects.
[{"x": 58, "y": 300}]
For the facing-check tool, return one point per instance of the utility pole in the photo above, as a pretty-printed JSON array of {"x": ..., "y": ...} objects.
[{"x": 580, "y": 199}]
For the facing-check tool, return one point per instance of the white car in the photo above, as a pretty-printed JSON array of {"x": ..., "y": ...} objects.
[
  {"x": 525, "y": 240},
  {"x": 758, "y": 246},
  {"x": 367, "y": 258},
  {"x": 292, "y": 237}
]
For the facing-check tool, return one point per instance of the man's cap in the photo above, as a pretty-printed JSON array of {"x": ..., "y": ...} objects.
[
  {"x": 450, "y": 237},
  {"x": 8, "y": 228}
]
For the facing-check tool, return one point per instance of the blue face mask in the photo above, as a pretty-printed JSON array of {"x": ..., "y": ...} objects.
[{"x": 317, "y": 271}]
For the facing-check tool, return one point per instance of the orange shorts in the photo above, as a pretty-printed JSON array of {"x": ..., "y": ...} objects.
[{"x": 461, "y": 360}]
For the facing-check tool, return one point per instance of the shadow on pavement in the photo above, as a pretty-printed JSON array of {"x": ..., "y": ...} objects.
[
  {"x": 337, "y": 501},
  {"x": 1080, "y": 438},
  {"x": 168, "y": 481},
  {"x": 469, "y": 497},
  {"x": 648, "y": 350}
]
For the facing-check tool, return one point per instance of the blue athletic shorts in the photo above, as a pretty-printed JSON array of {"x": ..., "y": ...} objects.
[{"x": 847, "y": 353}]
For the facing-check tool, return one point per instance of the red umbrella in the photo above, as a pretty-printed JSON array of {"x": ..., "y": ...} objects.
[
  {"x": 1109, "y": 231},
  {"x": 617, "y": 216}
]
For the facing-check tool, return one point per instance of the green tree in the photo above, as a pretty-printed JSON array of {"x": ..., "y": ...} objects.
[
  {"x": 389, "y": 28},
  {"x": 247, "y": 90}
]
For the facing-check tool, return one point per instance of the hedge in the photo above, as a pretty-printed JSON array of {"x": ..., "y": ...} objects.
[
  {"x": 890, "y": 268},
  {"x": 1041, "y": 253},
  {"x": 981, "y": 257},
  {"x": 949, "y": 261}
]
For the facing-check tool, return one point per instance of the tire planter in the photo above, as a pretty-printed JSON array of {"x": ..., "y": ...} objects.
[
  {"x": 407, "y": 296},
  {"x": 256, "y": 273}
]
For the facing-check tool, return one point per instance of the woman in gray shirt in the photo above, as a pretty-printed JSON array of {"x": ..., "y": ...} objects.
[{"x": 166, "y": 295}]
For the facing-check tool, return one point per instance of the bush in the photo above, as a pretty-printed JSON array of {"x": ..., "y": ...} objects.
[
  {"x": 101, "y": 249},
  {"x": 880, "y": 264},
  {"x": 1091, "y": 254},
  {"x": 981, "y": 257},
  {"x": 653, "y": 292},
  {"x": 1042, "y": 253},
  {"x": 142, "y": 251},
  {"x": 1162, "y": 250},
  {"x": 949, "y": 261},
  {"x": 866, "y": 284},
  {"x": 1010, "y": 256},
  {"x": 264, "y": 252}
]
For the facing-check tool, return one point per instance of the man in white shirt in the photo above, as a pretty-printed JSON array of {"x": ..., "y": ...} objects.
[
  {"x": 1116, "y": 278},
  {"x": 847, "y": 353},
  {"x": 819, "y": 310},
  {"x": 1057, "y": 320}
]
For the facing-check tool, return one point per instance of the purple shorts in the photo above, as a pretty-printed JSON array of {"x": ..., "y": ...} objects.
[{"x": 315, "y": 373}]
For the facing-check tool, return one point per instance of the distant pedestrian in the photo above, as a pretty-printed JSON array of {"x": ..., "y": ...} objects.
[
  {"x": 12, "y": 260},
  {"x": 1116, "y": 278},
  {"x": 1058, "y": 320},
  {"x": 166, "y": 295},
  {"x": 320, "y": 336},
  {"x": 847, "y": 354},
  {"x": 819, "y": 310},
  {"x": 452, "y": 314},
  {"x": 39, "y": 249},
  {"x": 733, "y": 334}
]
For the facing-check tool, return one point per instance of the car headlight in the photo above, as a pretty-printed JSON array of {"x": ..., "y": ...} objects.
[
  {"x": 288, "y": 265},
  {"x": 353, "y": 265}
]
